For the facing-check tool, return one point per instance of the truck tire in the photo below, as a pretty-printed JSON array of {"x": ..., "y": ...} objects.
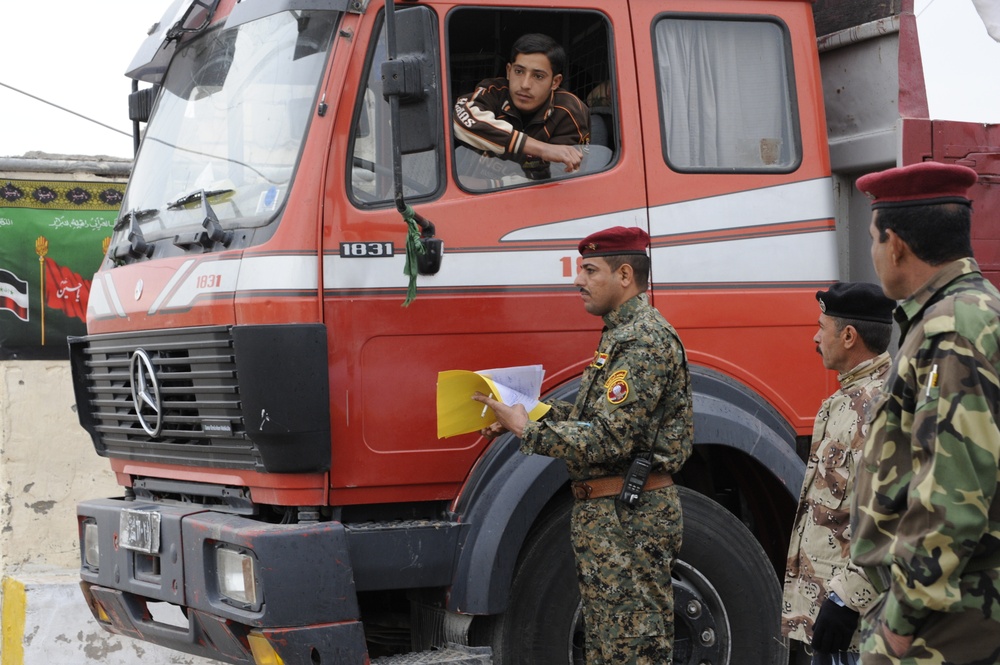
[
  {"x": 726, "y": 596},
  {"x": 542, "y": 622}
]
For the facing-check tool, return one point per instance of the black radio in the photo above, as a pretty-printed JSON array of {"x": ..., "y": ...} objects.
[{"x": 635, "y": 480}]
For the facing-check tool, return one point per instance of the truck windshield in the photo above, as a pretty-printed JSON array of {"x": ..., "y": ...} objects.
[{"x": 228, "y": 125}]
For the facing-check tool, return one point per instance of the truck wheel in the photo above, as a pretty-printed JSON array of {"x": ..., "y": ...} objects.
[
  {"x": 727, "y": 601},
  {"x": 542, "y": 623}
]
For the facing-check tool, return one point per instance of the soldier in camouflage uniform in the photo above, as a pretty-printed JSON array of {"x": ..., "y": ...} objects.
[
  {"x": 635, "y": 396},
  {"x": 926, "y": 519},
  {"x": 823, "y": 591}
]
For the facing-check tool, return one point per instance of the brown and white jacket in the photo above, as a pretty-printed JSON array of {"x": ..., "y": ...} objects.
[{"x": 488, "y": 121}]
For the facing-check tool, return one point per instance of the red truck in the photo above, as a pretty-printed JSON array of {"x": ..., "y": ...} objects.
[{"x": 268, "y": 404}]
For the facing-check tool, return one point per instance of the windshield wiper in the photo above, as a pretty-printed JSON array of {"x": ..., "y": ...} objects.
[
  {"x": 213, "y": 232},
  {"x": 134, "y": 214},
  {"x": 137, "y": 245},
  {"x": 201, "y": 194}
]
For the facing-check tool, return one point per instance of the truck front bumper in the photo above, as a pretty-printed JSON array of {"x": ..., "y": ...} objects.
[{"x": 301, "y": 596}]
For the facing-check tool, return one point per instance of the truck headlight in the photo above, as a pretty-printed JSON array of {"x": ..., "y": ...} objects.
[
  {"x": 91, "y": 546},
  {"x": 237, "y": 576}
]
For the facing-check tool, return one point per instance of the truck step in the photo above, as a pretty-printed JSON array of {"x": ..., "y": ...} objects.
[
  {"x": 453, "y": 654},
  {"x": 399, "y": 524}
]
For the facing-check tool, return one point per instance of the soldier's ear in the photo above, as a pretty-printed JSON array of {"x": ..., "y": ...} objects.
[
  {"x": 626, "y": 274},
  {"x": 850, "y": 336},
  {"x": 896, "y": 247}
]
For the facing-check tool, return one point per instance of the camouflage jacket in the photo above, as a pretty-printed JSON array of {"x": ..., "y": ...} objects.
[
  {"x": 819, "y": 551},
  {"x": 637, "y": 387},
  {"x": 926, "y": 508}
]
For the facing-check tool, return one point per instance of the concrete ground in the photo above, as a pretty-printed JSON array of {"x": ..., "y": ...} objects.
[{"x": 47, "y": 622}]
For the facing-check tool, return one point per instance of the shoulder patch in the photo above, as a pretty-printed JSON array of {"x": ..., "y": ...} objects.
[
  {"x": 617, "y": 387},
  {"x": 617, "y": 375}
]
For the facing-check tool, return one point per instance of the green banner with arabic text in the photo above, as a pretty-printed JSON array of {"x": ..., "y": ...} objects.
[{"x": 53, "y": 236}]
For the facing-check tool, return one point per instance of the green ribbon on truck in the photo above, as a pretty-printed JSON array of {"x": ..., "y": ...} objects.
[{"x": 413, "y": 248}]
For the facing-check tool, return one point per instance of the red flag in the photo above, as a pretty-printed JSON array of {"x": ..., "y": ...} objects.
[{"x": 66, "y": 290}]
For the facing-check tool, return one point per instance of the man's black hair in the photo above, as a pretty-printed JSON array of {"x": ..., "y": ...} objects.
[
  {"x": 875, "y": 335},
  {"x": 640, "y": 267},
  {"x": 536, "y": 42},
  {"x": 936, "y": 233}
]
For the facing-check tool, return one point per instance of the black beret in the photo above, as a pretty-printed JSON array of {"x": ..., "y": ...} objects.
[{"x": 856, "y": 300}]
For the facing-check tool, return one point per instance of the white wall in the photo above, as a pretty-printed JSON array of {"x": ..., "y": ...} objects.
[{"x": 47, "y": 464}]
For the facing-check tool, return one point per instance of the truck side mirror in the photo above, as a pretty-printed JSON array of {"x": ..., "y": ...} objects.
[
  {"x": 429, "y": 263},
  {"x": 140, "y": 103},
  {"x": 412, "y": 77}
]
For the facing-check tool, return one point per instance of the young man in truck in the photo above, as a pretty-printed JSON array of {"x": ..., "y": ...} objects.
[
  {"x": 634, "y": 402},
  {"x": 927, "y": 506},
  {"x": 526, "y": 117},
  {"x": 824, "y": 594}
]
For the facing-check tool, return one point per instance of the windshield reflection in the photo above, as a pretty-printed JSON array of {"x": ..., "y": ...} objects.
[{"x": 230, "y": 121}]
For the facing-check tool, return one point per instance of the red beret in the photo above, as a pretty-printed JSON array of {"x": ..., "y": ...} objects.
[
  {"x": 918, "y": 184},
  {"x": 615, "y": 241}
]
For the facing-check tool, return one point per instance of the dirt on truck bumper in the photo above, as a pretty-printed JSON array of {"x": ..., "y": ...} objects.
[{"x": 242, "y": 585}]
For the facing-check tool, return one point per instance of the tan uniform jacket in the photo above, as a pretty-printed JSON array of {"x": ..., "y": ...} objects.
[{"x": 819, "y": 551}]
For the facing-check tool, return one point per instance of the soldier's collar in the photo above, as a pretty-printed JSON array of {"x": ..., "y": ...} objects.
[
  {"x": 626, "y": 311},
  {"x": 863, "y": 369},
  {"x": 911, "y": 307}
]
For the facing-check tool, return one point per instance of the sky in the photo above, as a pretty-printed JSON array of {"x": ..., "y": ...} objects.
[{"x": 74, "y": 54}]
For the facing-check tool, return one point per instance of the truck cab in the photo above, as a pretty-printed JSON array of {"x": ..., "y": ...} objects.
[{"x": 261, "y": 356}]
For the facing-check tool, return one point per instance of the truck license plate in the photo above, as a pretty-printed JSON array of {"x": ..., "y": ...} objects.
[{"x": 139, "y": 530}]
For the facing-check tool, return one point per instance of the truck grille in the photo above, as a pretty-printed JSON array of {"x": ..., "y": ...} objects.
[{"x": 201, "y": 412}]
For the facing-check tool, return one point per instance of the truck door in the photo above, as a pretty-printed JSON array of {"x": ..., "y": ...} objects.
[
  {"x": 503, "y": 295},
  {"x": 740, "y": 197}
]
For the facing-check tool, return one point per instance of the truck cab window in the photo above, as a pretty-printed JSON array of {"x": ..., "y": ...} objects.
[
  {"x": 370, "y": 155},
  {"x": 486, "y": 117},
  {"x": 231, "y": 121},
  {"x": 726, "y": 92}
]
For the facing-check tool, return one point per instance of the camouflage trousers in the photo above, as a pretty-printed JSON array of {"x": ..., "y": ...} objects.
[
  {"x": 968, "y": 636},
  {"x": 623, "y": 561}
]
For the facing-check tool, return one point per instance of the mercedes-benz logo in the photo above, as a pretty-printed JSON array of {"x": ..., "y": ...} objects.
[{"x": 146, "y": 393}]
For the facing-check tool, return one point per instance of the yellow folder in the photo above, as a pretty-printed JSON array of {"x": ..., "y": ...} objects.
[{"x": 458, "y": 413}]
